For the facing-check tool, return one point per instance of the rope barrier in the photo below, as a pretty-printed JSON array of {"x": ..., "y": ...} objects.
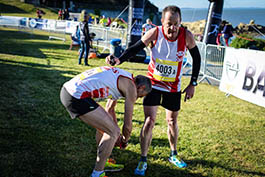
[{"x": 244, "y": 38}]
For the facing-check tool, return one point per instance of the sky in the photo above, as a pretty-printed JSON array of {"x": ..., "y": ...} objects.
[{"x": 205, "y": 3}]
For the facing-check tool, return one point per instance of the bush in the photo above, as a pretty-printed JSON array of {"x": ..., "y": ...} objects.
[{"x": 248, "y": 42}]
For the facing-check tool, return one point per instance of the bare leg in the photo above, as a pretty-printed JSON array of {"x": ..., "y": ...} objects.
[
  {"x": 172, "y": 129},
  {"x": 102, "y": 121},
  {"x": 110, "y": 108},
  {"x": 71, "y": 45},
  {"x": 146, "y": 132},
  {"x": 99, "y": 135}
]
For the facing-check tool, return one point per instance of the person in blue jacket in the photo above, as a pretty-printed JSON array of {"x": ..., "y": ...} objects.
[{"x": 85, "y": 40}]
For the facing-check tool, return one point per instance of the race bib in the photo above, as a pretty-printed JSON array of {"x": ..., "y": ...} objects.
[
  {"x": 88, "y": 73},
  {"x": 165, "y": 70}
]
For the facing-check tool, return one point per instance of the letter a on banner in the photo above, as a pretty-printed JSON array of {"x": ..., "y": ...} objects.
[{"x": 244, "y": 75}]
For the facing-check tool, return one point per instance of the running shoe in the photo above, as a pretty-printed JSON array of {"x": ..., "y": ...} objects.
[
  {"x": 177, "y": 161},
  {"x": 111, "y": 165},
  {"x": 141, "y": 168},
  {"x": 102, "y": 175}
]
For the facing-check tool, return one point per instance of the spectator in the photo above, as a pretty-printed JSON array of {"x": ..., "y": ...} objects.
[
  {"x": 147, "y": 26},
  {"x": 219, "y": 38},
  {"x": 103, "y": 21},
  {"x": 85, "y": 40},
  {"x": 109, "y": 22},
  {"x": 227, "y": 33},
  {"x": 40, "y": 13},
  {"x": 75, "y": 38},
  {"x": 60, "y": 14},
  {"x": 66, "y": 14},
  {"x": 90, "y": 20}
]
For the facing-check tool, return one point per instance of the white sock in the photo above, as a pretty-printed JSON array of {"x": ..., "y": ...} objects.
[{"x": 96, "y": 173}]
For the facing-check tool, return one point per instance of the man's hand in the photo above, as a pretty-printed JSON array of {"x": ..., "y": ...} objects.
[
  {"x": 189, "y": 90},
  {"x": 112, "y": 60},
  {"x": 121, "y": 142}
]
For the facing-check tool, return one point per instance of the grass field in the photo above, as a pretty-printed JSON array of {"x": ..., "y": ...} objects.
[
  {"x": 17, "y": 8},
  {"x": 218, "y": 136}
]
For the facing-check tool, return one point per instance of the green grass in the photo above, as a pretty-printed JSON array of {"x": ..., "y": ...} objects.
[
  {"x": 218, "y": 136},
  {"x": 17, "y": 8}
]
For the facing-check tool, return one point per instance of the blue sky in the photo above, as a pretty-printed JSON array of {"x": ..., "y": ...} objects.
[{"x": 205, "y": 3}]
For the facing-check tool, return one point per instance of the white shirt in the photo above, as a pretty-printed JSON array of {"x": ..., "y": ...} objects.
[{"x": 98, "y": 83}]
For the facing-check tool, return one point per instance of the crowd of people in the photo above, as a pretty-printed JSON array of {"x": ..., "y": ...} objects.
[
  {"x": 161, "y": 87},
  {"x": 81, "y": 37},
  {"x": 63, "y": 14}
]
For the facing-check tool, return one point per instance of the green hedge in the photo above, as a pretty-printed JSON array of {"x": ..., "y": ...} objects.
[{"x": 242, "y": 42}]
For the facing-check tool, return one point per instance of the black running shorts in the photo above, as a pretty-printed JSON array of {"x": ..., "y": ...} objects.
[
  {"x": 170, "y": 100},
  {"x": 77, "y": 107}
]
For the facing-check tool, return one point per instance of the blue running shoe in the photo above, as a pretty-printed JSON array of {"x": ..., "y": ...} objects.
[
  {"x": 177, "y": 161},
  {"x": 141, "y": 168}
]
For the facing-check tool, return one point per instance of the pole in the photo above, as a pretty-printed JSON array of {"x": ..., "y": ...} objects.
[
  {"x": 214, "y": 19},
  {"x": 136, "y": 12},
  {"x": 135, "y": 21}
]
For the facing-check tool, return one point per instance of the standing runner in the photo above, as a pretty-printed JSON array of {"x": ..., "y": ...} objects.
[{"x": 169, "y": 43}]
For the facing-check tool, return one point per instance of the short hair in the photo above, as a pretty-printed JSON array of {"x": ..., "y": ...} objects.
[
  {"x": 172, "y": 9},
  {"x": 148, "y": 20},
  {"x": 143, "y": 80},
  {"x": 83, "y": 15}
]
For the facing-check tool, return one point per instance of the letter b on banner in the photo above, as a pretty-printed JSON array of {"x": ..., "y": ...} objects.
[
  {"x": 250, "y": 72},
  {"x": 249, "y": 79}
]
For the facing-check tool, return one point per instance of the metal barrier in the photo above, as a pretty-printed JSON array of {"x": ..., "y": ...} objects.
[
  {"x": 105, "y": 34},
  {"x": 57, "y": 30},
  {"x": 213, "y": 66},
  {"x": 202, "y": 48},
  {"x": 212, "y": 58}
]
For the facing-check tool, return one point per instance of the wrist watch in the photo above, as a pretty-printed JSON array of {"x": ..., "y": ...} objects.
[{"x": 194, "y": 83}]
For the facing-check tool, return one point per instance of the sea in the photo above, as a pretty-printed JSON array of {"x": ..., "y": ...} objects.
[{"x": 232, "y": 15}]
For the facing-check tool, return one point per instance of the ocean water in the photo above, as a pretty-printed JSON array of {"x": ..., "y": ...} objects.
[{"x": 233, "y": 15}]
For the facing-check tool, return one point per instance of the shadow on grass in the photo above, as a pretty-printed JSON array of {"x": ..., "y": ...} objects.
[
  {"x": 38, "y": 65},
  {"x": 10, "y": 9},
  {"x": 130, "y": 160},
  {"x": 211, "y": 164},
  {"x": 156, "y": 142},
  {"x": 37, "y": 136},
  {"x": 16, "y": 43}
]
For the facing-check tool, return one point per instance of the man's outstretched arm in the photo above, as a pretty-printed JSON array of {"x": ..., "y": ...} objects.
[{"x": 133, "y": 49}]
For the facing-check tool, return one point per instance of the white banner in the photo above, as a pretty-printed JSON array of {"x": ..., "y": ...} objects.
[
  {"x": 244, "y": 75},
  {"x": 71, "y": 26},
  {"x": 13, "y": 21}
]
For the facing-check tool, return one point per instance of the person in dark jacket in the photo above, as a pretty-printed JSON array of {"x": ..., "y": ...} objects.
[
  {"x": 228, "y": 33},
  {"x": 85, "y": 39}
]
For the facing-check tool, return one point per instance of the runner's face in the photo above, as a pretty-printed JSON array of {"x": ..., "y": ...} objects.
[
  {"x": 141, "y": 92},
  {"x": 171, "y": 23}
]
